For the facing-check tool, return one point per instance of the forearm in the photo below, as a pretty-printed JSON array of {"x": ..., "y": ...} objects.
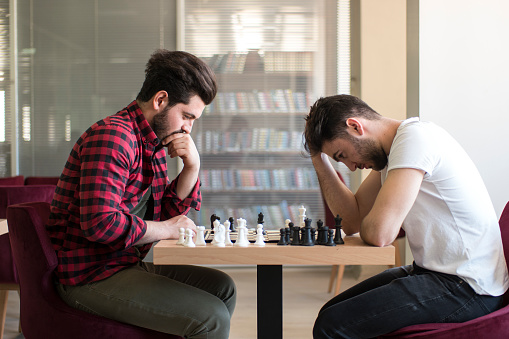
[
  {"x": 187, "y": 182},
  {"x": 339, "y": 198},
  {"x": 168, "y": 229}
]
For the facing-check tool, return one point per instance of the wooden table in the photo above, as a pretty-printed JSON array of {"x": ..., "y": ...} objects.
[
  {"x": 3, "y": 226},
  {"x": 269, "y": 260}
]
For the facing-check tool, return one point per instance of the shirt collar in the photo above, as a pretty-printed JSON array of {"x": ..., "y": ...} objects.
[{"x": 147, "y": 133}]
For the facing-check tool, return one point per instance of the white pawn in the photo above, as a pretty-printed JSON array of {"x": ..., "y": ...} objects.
[
  {"x": 189, "y": 238},
  {"x": 260, "y": 241},
  {"x": 287, "y": 223},
  {"x": 182, "y": 235},
  {"x": 200, "y": 236},
  {"x": 227, "y": 240}
]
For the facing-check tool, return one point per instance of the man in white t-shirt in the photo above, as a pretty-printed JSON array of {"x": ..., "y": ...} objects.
[{"x": 421, "y": 180}]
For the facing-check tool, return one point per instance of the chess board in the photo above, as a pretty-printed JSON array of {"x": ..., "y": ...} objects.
[{"x": 271, "y": 236}]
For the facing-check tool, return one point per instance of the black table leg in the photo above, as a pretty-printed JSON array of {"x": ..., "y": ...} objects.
[{"x": 270, "y": 301}]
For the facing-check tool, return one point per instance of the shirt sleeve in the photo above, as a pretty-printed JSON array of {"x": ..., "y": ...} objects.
[
  {"x": 173, "y": 205},
  {"x": 106, "y": 156}
]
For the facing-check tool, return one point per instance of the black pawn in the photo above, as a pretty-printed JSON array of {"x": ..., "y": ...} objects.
[
  {"x": 287, "y": 235},
  {"x": 330, "y": 238},
  {"x": 232, "y": 226},
  {"x": 282, "y": 238},
  {"x": 290, "y": 225},
  {"x": 337, "y": 238}
]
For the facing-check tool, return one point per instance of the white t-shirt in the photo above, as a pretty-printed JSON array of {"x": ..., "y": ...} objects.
[{"x": 452, "y": 226}]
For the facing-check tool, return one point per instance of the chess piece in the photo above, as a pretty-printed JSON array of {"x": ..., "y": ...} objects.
[
  {"x": 227, "y": 239},
  {"x": 215, "y": 226},
  {"x": 219, "y": 235},
  {"x": 200, "y": 236},
  {"x": 232, "y": 226},
  {"x": 296, "y": 236},
  {"x": 287, "y": 235},
  {"x": 337, "y": 238},
  {"x": 307, "y": 239},
  {"x": 330, "y": 238},
  {"x": 282, "y": 237},
  {"x": 290, "y": 225},
  {"x": 241, "y": 233},
  {"x": 182, "y": 236},
  {"x": 302, "y": 216},
  {"x": 260, "y": 240},
  {"x": 213, "y": 218},
  {"x": 189, "y": 238}
]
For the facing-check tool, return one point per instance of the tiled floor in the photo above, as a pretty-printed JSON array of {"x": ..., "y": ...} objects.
[{"x": 305, "y": 291}]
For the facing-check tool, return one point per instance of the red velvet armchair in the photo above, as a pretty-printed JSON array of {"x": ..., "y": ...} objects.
[
  {"x": 12, "y": 191},
  {"x": 492, "y": 326},
  {"x": 43, "y": 313}
]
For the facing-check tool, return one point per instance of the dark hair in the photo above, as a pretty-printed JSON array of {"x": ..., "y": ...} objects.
[
  {"x": 326, "y": 120},
  {"x": 181, "y": 74}
]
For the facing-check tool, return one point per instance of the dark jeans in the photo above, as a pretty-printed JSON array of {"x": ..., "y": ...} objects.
[
  {"x": 397, "y": 298},
  {"x": 189, "y": 301}
]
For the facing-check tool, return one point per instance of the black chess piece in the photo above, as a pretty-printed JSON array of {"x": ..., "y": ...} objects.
[
  {"x": 232, "y": 226},
  {"x": 282, "y": 238},
  {"x": 306, "y": 238},
  {"x": 213, "y": 218},
  {"x": 290, "y": 225},
  {"x": 322, "y": 235},
  {"x": 260, "y": 218},
  {"x": 287, "y": 235},
  {"x": 296, "y": 235},
  {"x": 330, "y": 238},
  {"x": 337, "y": 238}
]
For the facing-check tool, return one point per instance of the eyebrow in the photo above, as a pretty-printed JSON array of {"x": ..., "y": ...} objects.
[{"x": 189, "y": 114}]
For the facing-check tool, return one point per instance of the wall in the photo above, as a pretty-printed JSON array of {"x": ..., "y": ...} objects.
[{"x": 464, "y": 81}]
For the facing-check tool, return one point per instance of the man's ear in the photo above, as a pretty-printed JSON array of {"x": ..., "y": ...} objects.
[
  {"x": 159, "y": 99},
  {"x": 354, "y": 126}
]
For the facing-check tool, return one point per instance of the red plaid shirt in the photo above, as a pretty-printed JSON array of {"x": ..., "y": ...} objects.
[{"x": 110, "y": 167}]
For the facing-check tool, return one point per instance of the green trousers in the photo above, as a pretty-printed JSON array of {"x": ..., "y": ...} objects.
[{"x": 189, "y": 301}]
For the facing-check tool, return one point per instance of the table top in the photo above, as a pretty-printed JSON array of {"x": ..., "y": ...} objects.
[
  {"x": 3, "y": 226},
  {"x": 353, "y": 252}
]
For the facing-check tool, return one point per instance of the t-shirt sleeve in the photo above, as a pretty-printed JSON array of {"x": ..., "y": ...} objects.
[{"x": 414, "y": 147}]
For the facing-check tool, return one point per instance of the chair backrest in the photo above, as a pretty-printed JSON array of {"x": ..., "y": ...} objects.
[
  {"x": 17, "y": 180},
  {"x": 504, "y": 230},
  {"x": 41, "y": 180},
  {"x": 10, "y": 195},
  {"x": 43, "y": 313}
]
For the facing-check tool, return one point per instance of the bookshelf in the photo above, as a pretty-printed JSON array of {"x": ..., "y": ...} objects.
[{"x": 267, "y": 58}]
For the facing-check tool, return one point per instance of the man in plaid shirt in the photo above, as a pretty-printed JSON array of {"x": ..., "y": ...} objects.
[{"x": 114, "y": 199}]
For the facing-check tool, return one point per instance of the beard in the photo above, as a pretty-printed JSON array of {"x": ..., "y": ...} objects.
[
  {"x": 371, "y": 152},
  {"x": 161, "y": 126}
]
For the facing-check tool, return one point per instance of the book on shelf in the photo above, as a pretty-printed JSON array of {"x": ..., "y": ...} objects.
[{"x": 259, "y": 180}]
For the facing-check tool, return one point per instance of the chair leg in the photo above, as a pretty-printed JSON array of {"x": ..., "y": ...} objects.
[
  {"x": 19, "y": 325},
  {"x": 332, "y": 278},
  {"x": 339, "y": 279},
  {"x": 3, "y": 310}
]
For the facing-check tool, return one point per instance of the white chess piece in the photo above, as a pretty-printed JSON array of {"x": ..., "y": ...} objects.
[
  {"x": 219, "y": 236},
  {"x": 227, "y": 240},
  {"x": 241, "y": 233},
  {"x": 216, "y": 229},
  {"x": 260, "y": 241},
  {"x": 200, "y": 236},
  {"x": 182, "y": 235},
  {"x": 287, "y": 223},
  {"x": 302, "y": 216},
  {"x": 189, "y": 238}
]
